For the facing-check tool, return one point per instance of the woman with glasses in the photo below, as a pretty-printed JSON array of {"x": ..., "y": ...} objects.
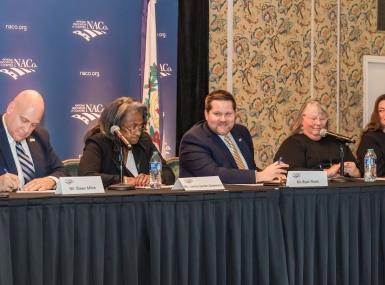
[
  {"x": 306, "y": 149},
  {"x": 102, "y": 148},
  {"x": 373, "y": 136}
]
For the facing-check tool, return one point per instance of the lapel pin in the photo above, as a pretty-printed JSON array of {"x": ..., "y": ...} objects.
[
  {"x": 240, "y": 140},
  {"x": 31, "y": 139}
]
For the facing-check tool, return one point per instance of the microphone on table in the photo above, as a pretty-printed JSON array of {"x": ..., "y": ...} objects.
[
  {"x": 115, "y": 130},
  {"x": 342, "y": 138}
]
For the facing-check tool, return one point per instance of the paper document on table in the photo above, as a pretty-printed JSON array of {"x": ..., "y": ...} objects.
[
  {"x": 34, "y": 192},
  {"x": 258, "y": 184},
  {"x": 148, "y": 187}
]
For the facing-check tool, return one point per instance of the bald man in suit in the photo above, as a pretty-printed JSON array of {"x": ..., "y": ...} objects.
[
  {"x": 219, "y": 147},
  {"x": 26, "y": 155}
]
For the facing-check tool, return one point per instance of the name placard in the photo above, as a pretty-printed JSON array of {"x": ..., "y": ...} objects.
[
  {"x": 80, "y": 185},
  {"x": 306, "y": 178},
  {"x": 198, "y": 183}
]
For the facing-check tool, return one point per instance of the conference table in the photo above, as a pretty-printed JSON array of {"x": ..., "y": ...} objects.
[{"x": 243, "y": 235}]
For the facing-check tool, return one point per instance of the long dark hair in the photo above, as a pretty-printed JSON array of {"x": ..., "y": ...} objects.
[
  {"x": 114, "y": 114},
  {"x": 375, "y": 120}
]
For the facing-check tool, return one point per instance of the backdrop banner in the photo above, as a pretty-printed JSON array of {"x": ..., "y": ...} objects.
[{"x": 79, "y": 56}]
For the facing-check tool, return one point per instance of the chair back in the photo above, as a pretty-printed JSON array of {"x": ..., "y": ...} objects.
[
  {"x": 173, "y": 163},
  {"x": 72, "y": 165}
]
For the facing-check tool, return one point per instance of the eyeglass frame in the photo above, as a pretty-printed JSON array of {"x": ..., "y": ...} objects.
[
  {"x": 141, "y": 128},
  {"x": 314, "y": 120}
]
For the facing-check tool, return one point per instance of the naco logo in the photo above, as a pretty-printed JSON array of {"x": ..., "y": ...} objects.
[
  {"x": 89, "y": 29},
  {"x": 16, "y": 67},
  {"x": 87, "y": 112},
  {"x": 165, "y": 70}
]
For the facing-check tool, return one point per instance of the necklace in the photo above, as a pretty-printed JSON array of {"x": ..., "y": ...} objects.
[{"x": 319, "y": 159}]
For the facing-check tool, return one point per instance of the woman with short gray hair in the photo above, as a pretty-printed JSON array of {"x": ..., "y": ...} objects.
[{"x": 307, "y": 149}]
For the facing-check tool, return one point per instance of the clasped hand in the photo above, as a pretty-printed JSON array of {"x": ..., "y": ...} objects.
[
  {"x": 140, "y": 180},
  {"x": 349, "y": 168}
]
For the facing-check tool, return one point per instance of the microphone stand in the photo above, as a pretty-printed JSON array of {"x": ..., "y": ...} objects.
[
  {"x": 342, "y": 178},
  {"x": 121, "y": 186}
]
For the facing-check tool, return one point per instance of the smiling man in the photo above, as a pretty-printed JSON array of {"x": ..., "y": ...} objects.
[
  {"x": 26, "y": 155},
  {"x": 219, "y": 147}
]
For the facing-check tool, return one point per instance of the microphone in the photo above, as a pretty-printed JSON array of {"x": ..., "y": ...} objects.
[
  {"x": 115, "y": 130},
  {"x": 342, "y": 138}
]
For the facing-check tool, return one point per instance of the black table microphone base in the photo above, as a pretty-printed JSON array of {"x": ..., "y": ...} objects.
[
  {"x": 342, "y": 179},
  {"x": 121, "y": 187}
]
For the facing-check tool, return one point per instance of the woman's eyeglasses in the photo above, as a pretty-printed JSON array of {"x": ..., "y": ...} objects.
[
  {"x": 135, "y": 129},
  {"x": 315, "y": 119}
]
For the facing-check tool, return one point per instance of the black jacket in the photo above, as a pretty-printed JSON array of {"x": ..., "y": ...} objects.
[
  {"x": 99, "y": 159},
  {"x": 376, "y": 141}
]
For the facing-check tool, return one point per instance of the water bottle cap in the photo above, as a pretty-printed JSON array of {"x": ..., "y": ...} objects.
[
  {"x": 370, "y": 149},
  {"x": 155, "y": 152}
]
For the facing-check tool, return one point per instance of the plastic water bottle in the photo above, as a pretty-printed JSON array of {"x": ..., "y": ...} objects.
[
  {"x": 370, "y": 163},
  {"x": 155, "y": 171}
]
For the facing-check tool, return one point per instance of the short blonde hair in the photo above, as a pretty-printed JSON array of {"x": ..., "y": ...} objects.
[{"x": 296, "y": 126}]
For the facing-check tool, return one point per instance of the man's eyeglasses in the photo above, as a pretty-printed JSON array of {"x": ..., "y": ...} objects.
[
  {"x": 315, "y": 119},
  {"x": 137, "y": 128}
]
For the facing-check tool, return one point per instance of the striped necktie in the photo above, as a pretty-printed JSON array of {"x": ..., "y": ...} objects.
[
  {"x": 234, "y": 152},
  {"x": 25, "y": 163}
]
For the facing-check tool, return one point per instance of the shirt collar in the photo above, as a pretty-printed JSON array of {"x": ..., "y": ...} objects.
[{"x": 10, "y": 138}]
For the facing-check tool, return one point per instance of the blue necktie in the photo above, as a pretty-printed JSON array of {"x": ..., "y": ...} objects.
[{"x": 25, "y": 163}]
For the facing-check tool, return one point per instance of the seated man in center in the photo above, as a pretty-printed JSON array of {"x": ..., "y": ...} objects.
[{"x": 219, "y": 147}]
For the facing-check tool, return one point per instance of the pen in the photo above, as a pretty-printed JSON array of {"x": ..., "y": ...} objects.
[
  {"x": 279, "y": 160},
  {"x": 15, "y": 189}
]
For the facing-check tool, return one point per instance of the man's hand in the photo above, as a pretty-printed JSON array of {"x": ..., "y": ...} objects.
[
  {"x": 8, "y": 182},
  {"x": 39, "y": 184},
  {"x": 272, "y": 171}
]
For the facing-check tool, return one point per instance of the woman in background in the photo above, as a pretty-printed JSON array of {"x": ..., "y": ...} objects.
[
  {"x": 373, "y": 136},
  {"x": 102, "y": 148},
  {"x": 306, "y": 149}
]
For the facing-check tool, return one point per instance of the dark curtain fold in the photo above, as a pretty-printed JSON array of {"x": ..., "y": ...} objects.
[
  {"x": 334, "y": 236},
  {"x": 192, "y": 70},
  {"x": 5, "y": 244}
]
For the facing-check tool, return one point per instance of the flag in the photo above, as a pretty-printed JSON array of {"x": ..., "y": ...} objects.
[{"x": 149, "y": 67}]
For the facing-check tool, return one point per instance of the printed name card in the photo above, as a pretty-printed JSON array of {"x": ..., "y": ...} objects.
[
  {"x": 80, "y": 185},
  {"x": 198, "y": 183},
  {"x": 306, "y": 178}
]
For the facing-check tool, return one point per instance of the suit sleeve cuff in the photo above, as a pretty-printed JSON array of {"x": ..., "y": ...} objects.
[{"x": 56, "y": 181}]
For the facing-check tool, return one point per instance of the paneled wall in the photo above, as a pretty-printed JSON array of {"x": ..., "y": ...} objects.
[{"x": 274, "y": 72}]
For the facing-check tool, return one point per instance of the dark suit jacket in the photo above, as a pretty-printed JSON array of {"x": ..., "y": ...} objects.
[
  {"x": 203, "y": 153},
  {"x": 45, "y": 160},
  {"x": 99, "y": 159}
]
